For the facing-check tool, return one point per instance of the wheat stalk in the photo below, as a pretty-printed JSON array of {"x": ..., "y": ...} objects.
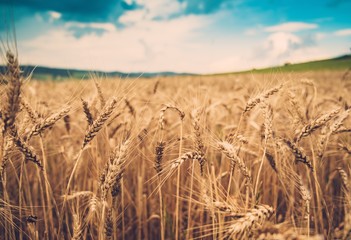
[
  {"x": 254, "y": 101},
  {"x": 87, "y": 112},
  {"x": 159, "y": 156},
  {"x": 27, "y": 151},
  {"x": 47, "y": 123},
  {"x": 101, "y": 95},
  {"x": 77, "y": 228},
  {"x": 114, "y": 171},
  {"x": 109, "y": 224},
  {"x": 99, "y": 122},
  {"x": 299, "y": 154},
  {"x": 32, "y": 114},
  {"x": 198, "y": 142},
  {"x": 253, "y": 217},
  {"x": 316, "y": 124},
  {"x": 13, "y": 92},
  {"x": 231, "y": 153},
  {"x": 163, "y": 111}
]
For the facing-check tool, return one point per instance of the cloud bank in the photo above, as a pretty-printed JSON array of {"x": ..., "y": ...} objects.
[{"x": 200, "y": 36}]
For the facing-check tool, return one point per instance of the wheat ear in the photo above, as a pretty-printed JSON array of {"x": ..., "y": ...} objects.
[
  {"x": 253, "y": 217},
  {"x": 99, "y": 122},
  {"x": 254, "y": 101},
  {"x": 47, "y": 123},
  {"x": 316, "y": 124},
  {"x": 229, "y": 150},
  {"x": 87, "y": 112},
  {"x": 13, "y": 92},
  {"x": 299, "y": 154}
]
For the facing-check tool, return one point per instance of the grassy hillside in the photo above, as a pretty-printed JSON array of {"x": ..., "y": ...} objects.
[{"x": 339, "y": 63}]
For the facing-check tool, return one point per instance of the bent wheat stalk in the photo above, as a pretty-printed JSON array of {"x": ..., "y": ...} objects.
[
  {"x": 91, "y": 133},
  {"x": 253, "y": 217}
]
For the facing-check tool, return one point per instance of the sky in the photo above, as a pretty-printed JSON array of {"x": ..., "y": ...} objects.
[{"x": 196, "y": 36}]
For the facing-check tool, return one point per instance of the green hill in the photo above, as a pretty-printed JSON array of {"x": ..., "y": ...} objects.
[{"x": 339, "y": 63}]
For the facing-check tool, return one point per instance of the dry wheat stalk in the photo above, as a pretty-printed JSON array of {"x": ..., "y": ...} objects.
[
  {"x": 27, "y": 151},
  {"x": 115, "y": 129},
  {"x": 156, "y": 86},
  {"x": 279, "y": 232},
  {"x": 305, "y": 194},
  {"x": 67, "y": 120},
  {"x": 87, "y": 112},
  {"x": 143, "y": 134},
  {"x": 31, "y": 113},
  {"x": 253, "y": 217},
  {"x": 101, "y": 96},
  {"x": 298, "y": 116},
  {"x": 186, "y": 156},
  {"x": 322, "y": 142},
  {"x": 109, "y": 224},
  {"x": 130, "y": 107},
  {"x": 199, "y": 145},
  {"x": 299, "y": 154},
  {"x": 343, "y": 130},
  {"x": 207, "y": 197},
  {"x": 159, "y": 156},
  {"x": 242, "y": 139},
  {"x": 47, "y": 123},
  {"x": 231, "y": 153},
  {"x": 13, "y": 92},
  {"x": 232, "y": 137},
  {"x": 316, "y": 124},
  {"x": 212, "y": 205},
  {"x": 268, "y": 119},
  {"x": 94, "y": 205},
  {"x": 271, "y": 161},
  {"x": 254, "y": 101},
  {"x": 114, "y": 172},
  {"x": 5, "y": 154},
  {"x": 99, "y": 122},
  {"x": 337, "y": 124},
  {"x": 344, "y": 178},
  {"x": 77, "y": 228},
  {"x": 163, "y": 111},
  {"x": 347, "y": 218}
]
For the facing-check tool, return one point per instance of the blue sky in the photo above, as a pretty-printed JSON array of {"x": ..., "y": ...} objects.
[{"x": 200, "y": 36}]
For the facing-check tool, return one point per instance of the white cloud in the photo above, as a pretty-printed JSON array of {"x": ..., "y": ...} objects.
[
  {"x": 145, "y": 46},
  {"x": 291, "y": 27},
  {"x": 178, "y": 44},
  {"x": 343, "y": 32},
  {"x": 280, "y": 43},
  {"x": 109, "y": 27},
  {"x": 192, "y": 43},
  {"x": 279, "y": 48}
]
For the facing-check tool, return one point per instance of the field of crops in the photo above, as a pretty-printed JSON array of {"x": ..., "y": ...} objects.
[{"x": 203, "y": 157}]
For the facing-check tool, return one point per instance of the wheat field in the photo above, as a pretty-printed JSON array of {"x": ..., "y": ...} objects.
[{"x": 193, "y": 157}]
